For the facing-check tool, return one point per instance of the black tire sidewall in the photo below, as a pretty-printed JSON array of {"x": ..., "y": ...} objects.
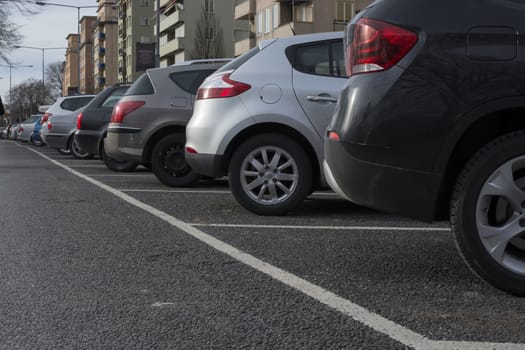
[
  {"x": 304, "y": 166},
  {"x": 157, "y": 166},
  {"x": 463, "y": 212}
]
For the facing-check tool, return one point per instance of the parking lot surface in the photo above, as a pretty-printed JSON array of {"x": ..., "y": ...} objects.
[{"x": 96, "y": 259}]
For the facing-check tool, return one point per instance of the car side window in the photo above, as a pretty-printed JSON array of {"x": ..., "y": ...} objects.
[
  {"x": 114, "y": 97},
  {"x": 324, "y": 58},
  {"x": 190, "y": 81},
  {"x": 72, "y": 104},
  {"x": 142, "y": 86}
]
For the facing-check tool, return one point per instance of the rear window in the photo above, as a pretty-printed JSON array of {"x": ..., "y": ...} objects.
[
  {"x": 239, "y": 61},
  {"x": 142, "y": 86},
  {"x": 190, "y": 81},
  {"x": 31, "y": 119},
  {"x": 74, "y": 103},
  {"x": 115, "y": 96},
  {"x": 324, "y": 58}
]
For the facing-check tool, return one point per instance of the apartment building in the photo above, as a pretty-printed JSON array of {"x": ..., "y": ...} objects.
[
  {"x": 136, "y": 38},
  {"x": 87, "y": 85},
  {"x": 105, "y": 47},
  {"x": 266, "y": 19},
  {"x": 195, "y": 29},
  {"x": 70, "y": 81}
]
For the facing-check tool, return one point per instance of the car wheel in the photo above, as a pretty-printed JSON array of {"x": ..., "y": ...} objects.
[
  {"x": 270, "y": 174},
  {"x": 488, "y": 213},
  {"x": 115, "y": 164},
  {"x": 168, "y": 162},
  {"x": 78, "y": 152},
  {"x": 35, "y": 141}
]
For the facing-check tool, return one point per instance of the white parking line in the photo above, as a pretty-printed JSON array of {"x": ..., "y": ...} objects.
[
  {"x": 120, "y": 175},
  {"x": 327, "y": 194},
  {"x": 335, "y": 228},
  {"x": 374, "y": 321}
]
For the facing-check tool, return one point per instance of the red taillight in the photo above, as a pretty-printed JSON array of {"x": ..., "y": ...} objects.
[
  {"x": 377, "y": 46},
  {"x": 48, "y": 125},
  {"x": 191, "y": 150},
  {"x": 122, "y": 109},
  {"x": 79, "y": 121},
  {"x": 334, "y": 136},
  {"x": 45, "y": 118},
  {"x": 221, "y": 86},
  {"x": 20, "y": 130}
]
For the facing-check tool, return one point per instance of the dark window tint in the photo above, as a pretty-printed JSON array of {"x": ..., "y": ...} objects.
[
  {"x": 236, "y": 63},
  {"x": 74, "y": 103},
  {"x": 326, "y": 58},
  {"x": 141, "y": 87},
  {"x": 114, "y": 97},
  {"x": 190, "y": 81}
]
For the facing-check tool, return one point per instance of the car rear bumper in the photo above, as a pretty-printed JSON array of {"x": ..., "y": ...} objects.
[
  {"x": 206, "y": 164},
  {"x": 57, "y": 140},
  {"x": 402, "y": 191},
  {"x": 122, "y": 146},
  {"x": 88, "y": 140}
]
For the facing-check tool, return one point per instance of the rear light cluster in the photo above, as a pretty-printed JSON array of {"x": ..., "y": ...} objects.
[
  {"x": 45, "y": 118},
  {"x": 221, "y": 86},
  {"x": 377, "y": 46},
  {"x": 122, "y": 109},
  {"x": 79, "y": 121}
]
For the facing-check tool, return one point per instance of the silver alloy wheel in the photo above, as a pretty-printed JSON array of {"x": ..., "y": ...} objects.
[
  {"x": 500, "y": 215},
  {"x": 269, "y": 175}
]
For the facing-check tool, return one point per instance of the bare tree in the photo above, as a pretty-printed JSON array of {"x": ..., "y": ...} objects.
[
  {"x": 54, "y": 80},
  {"x": 9, "y": 31},
  {"x": 208, "y": 37},
  {"x": 26, "y": 97}
]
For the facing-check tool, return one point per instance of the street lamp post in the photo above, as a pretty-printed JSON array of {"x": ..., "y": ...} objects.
[
  {"x": 42, "y": 3},
  {"x": 11, "y": 66},
  {"x": 43, "y": 67}
]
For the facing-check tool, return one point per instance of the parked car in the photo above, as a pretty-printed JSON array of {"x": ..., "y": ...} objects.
[
  {"x": 35, "y": 138},
  {"x": 12, "y": 131},
  {"x": 92, "y": 125},
  {"x": 261, "y": 119},
  {"x": 430, "y": 124},
  {"x": 3, "y": 132},
  {"x": 60, "y": 122},
  {"x": 25, "y": 129},
  {"x": 148, "y": 123}
]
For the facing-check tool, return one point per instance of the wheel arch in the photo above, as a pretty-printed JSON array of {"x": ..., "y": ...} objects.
[
  {"x": 156, "y": 136},
  {"x": 274, "y": 128}
]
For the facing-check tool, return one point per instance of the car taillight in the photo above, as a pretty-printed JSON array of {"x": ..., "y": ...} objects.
[
  {"x": 122, "y": 109},
  {"x": 48, "y": 125},
  {"x": 79, "y": 121},
  {"x": 20, "y": 130},
  {"x": 221, "y": 86},
  {"x": 377, "y": 46},
  {"x": 45, "y": 118},
  {"x": 334, "y": 136}
]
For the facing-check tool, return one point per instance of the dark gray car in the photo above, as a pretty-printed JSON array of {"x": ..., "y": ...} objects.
[{"x": 148, "y": 124}]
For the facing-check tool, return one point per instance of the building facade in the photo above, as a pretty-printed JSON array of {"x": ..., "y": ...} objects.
[
  {"x": 266, "y": 19},
  {"x": 195, "y": 29},
  {"x": 136, "y": 38},
  {"x": 70, "y": 81},
  {"x": 87, "y": 83},
  {"x": 105, "y": 37}
]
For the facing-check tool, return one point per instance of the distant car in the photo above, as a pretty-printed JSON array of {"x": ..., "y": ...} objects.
[
  {"x": 60, "y": 123},
  {"x": 26, "y": 128},
  {"x": 12, "y": 131},
  {"x": 35, "y": 138},
  {"x": 261, "y": 119},
  {"x": 3, "y": 132},
  {"x": 92, "y": 125},
  {"x": 148, "y": 123}
]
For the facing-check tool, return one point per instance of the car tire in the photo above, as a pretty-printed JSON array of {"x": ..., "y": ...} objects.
[
  {"x": 270, "y": 174},
  {"x": 488, "y": 213},
  {"x": 168, "y": 162},
  {"x": 36, "y": 142},
  {"x": 78, "y": 152},
  {"x": 115, "y": 164}
]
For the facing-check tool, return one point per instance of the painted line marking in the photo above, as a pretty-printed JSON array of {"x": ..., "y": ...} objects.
[
  {"x": 335, "y": 228},
  {"x": 327, "y": 194},
  {"x": 121, "y": 175},
  {"x": 374, "y": 321}
]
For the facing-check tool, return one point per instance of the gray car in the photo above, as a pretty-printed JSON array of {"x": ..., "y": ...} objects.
[
  {"x": 60, "y": 123},
  {"x": 261, "y": 120},
  {"x": 25, "y": 129},
  {"x": 148, "y": 124}
]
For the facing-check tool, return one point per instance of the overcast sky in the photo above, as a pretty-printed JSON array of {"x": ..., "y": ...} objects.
[{"x": 47, "y": 29}]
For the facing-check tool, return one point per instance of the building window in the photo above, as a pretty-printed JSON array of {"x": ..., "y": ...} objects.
[
  {"x": 209, "y": 6},
  {"x": 267, "y": 20},
  {"x": 144, "y": 20},
  {"x": 259, "y": 23},
  {"x": 276, "y": 17},
  {"x": 344, "y": 11},
  {"x": 304, "y": 13},
  {"x": 145, "y": 2}
]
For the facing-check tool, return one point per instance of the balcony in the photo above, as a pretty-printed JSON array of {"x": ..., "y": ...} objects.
[
  {"x": 172, "y": 46},
  {"x": 245, "y": 9},
  {"x": 171, "y": 20}
]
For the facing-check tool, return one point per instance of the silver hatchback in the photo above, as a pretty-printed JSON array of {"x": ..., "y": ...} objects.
[{"x": 261, "y": 120}]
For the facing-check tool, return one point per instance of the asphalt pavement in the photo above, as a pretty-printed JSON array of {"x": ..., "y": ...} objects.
[{"x": 93, "y": 259}]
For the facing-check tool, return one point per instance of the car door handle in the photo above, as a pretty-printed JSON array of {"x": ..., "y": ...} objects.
[{"x": 321, "y": 98}]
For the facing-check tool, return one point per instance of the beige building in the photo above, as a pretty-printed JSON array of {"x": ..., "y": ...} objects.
[
  {"x": 184, "y": 35},
  {"x": 105, "y": 46},
  {"x": 136, "y": 38},
  {"x": 87, "y": 83},
  {"x": 70, "y": 77},
  {"x": 266, "y": 19}
]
